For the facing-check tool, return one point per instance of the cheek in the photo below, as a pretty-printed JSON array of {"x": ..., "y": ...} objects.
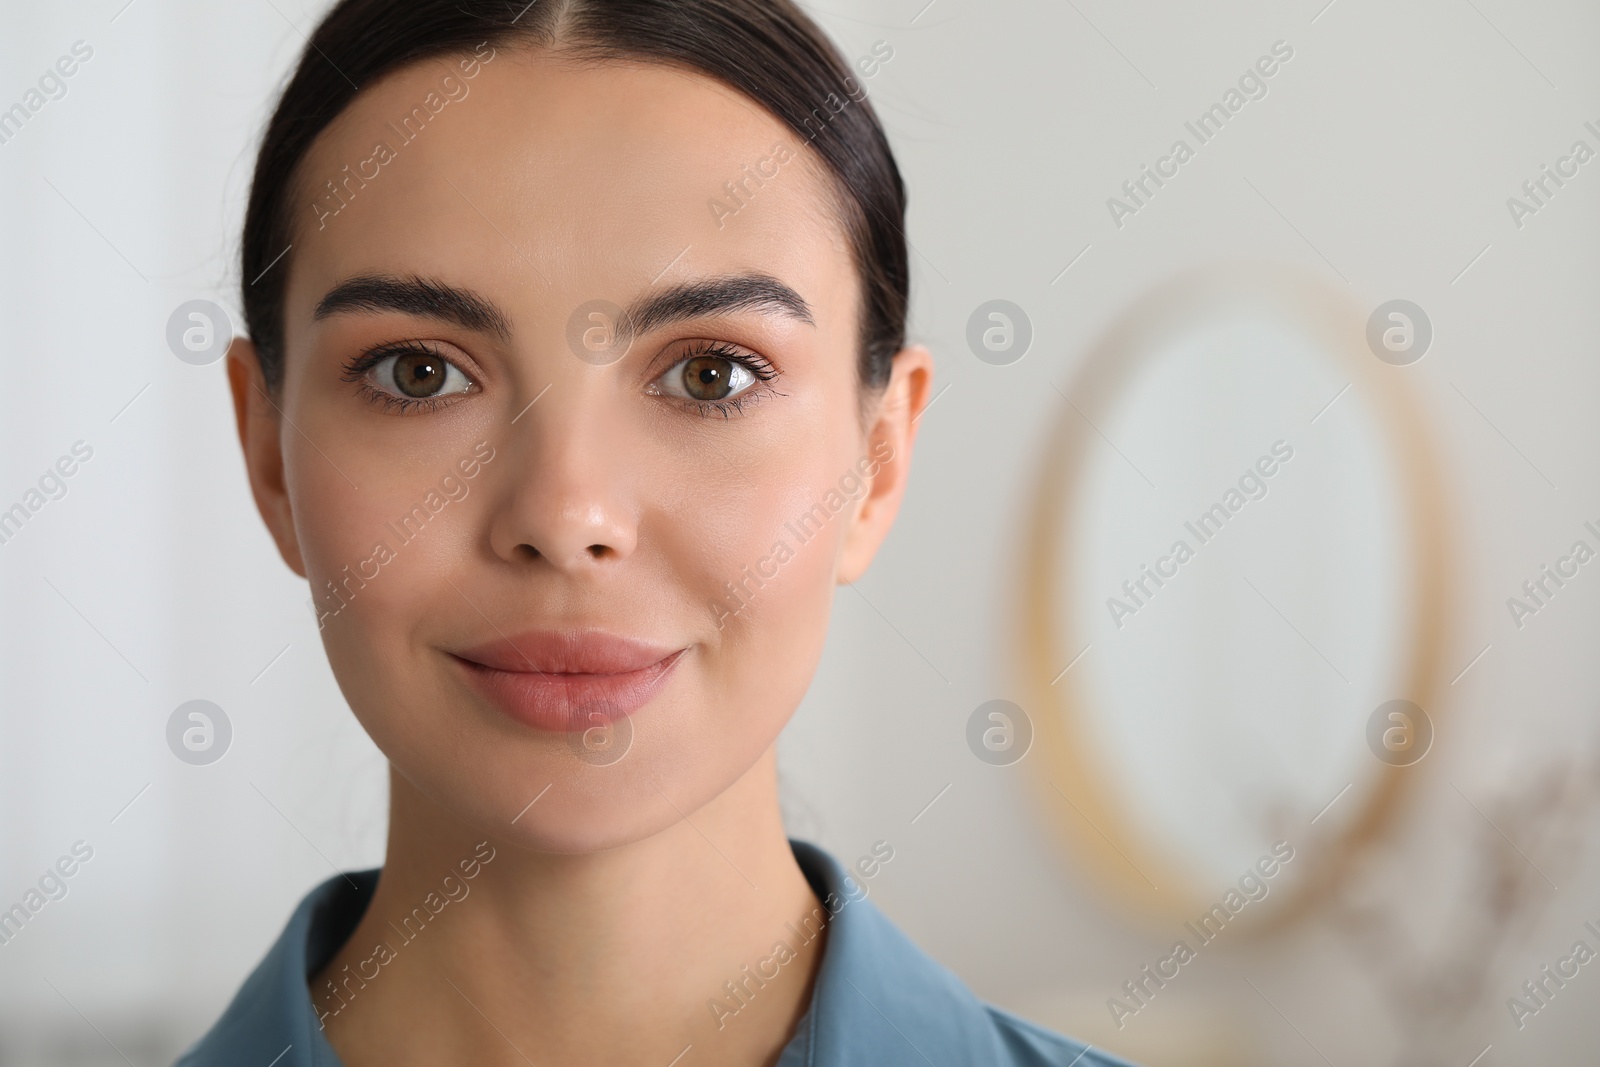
[
  {"x": 757, "y": 554},
  {"x": 769, "y": 617},
  {"x": 376, "y": 552}
]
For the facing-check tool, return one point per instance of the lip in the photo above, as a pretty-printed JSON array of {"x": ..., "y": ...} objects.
[{"x": 568, "y": 680}]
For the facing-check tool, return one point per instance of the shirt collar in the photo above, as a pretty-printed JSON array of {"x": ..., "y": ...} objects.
[
  {"x": 878, "y": 999},
  {"x": 272, "y": 1019}
]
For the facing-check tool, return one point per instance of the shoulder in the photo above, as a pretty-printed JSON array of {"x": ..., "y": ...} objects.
[
  {"x": 272, "y": 1014},
  {"x": 881, "y": 1000},
  {"x": 1027, "y": 1044}
]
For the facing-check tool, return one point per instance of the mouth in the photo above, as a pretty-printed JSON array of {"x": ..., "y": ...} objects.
[{"x": 566, "y": 681}]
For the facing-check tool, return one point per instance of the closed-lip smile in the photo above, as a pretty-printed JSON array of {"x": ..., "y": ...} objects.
[{"x": 568, "y": 680}]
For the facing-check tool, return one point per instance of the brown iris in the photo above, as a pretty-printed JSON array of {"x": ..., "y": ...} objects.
[
  {"x": 419, "y": 374},
  {"x": 708, "y": 377}
]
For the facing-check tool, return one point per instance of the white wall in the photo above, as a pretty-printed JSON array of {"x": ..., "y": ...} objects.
[{"x": 1384, "y": 152}]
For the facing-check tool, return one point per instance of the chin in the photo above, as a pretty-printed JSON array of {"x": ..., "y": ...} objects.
[
  {"x": 590, "y": 831},
  {"x": 536, "y": 791}
]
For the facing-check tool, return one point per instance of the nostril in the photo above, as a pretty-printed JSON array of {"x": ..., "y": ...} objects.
[{"x": 597, "y": 551}]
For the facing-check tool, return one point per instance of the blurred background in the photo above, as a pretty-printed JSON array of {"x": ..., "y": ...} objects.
[{"x": 1355, "y": 312}]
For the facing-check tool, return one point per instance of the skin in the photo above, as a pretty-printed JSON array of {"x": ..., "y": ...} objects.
[{"x": 617, "y": 904}]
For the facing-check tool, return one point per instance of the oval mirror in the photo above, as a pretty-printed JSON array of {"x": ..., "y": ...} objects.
[{"x": 1236, "y": 561}]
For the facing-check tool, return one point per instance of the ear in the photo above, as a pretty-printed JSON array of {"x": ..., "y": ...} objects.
[
  {"x": 892, "y": 433},
  {"x": 260, "y": 433}
]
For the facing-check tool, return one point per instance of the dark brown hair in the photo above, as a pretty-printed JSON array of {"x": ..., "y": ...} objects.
[{"x": 766, "y": 49}]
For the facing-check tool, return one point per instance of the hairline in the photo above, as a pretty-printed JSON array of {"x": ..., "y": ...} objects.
[{"x": 843, "y": 206}]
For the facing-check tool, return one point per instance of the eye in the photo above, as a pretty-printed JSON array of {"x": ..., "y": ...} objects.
[
  {"x": 401, "y": 376},
  {"x": 713, "y": 375},
  {"x": 418, "y": 375}
]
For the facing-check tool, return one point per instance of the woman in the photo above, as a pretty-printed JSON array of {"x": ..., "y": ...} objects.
[{"x": 576, "y": 382}]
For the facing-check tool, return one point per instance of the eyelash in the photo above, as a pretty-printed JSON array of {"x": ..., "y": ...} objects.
[
  {"x": 355, "y": 372},
  {"x": 759, "y": 367}
]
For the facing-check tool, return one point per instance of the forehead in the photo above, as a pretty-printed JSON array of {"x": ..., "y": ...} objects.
[{"x": 572, "y": 181}]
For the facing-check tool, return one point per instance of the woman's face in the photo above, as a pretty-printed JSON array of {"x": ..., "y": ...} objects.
[{"x": 486, "y": 475}]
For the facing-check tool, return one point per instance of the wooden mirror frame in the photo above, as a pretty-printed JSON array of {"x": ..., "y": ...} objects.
[{"x": 1071, "y": 785}]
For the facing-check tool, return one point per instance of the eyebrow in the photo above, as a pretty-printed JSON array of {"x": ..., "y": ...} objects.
[
  {"x": 415, "y": 296},
  {"x": 717, "y": 296},
  {"x": 436, "y": 300}
]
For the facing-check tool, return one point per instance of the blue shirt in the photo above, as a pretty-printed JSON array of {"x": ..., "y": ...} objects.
[{"x": 879, "y": 1001}]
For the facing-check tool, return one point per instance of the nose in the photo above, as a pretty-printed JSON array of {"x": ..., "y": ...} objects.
[{"x": 570, "y": 500}]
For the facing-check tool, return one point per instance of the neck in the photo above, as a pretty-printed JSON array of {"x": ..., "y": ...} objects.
[{"x": 626, "y": 956}]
